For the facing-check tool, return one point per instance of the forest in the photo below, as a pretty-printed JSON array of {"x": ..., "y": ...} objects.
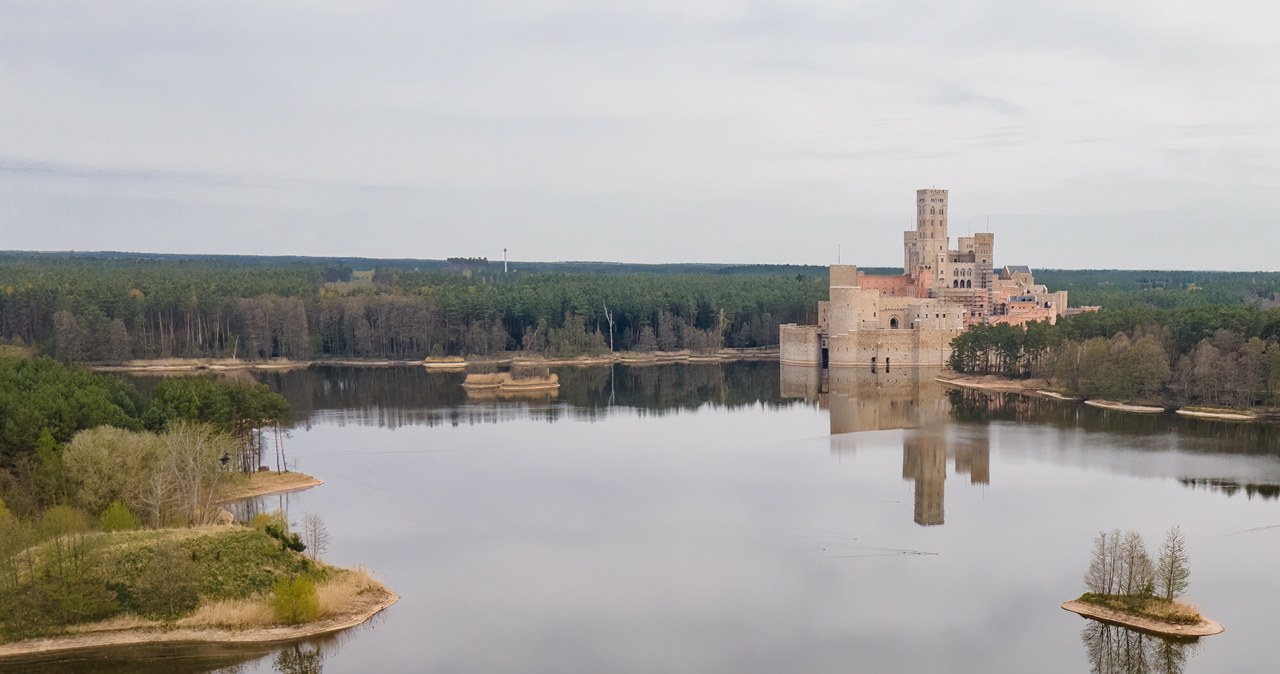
[
  {"x": 1222, "y": 356},
  {"x": 108, "y": 310}
]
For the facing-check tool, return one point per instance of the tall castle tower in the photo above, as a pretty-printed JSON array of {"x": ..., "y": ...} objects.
[
  {"x": 931, "y": 227},
  {"x": 928, "y": 243}
]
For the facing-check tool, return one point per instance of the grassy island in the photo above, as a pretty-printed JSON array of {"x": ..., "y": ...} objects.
[{"x": 1126, "y": 587}]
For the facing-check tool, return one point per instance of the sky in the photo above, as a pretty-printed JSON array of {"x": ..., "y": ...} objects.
[{"x": 1116, "y": 134}]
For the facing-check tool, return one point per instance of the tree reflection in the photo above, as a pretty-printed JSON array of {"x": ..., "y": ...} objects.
[
  {"x": 297, "y": 659},
  {"x": 1113, "y": 649}
]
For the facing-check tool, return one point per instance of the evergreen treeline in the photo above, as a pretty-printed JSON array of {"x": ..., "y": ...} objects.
[
  {"x": 112, "y": 310},
  {"x": 1124, "y": 289},
  {"x": 1212, "y": 355}
]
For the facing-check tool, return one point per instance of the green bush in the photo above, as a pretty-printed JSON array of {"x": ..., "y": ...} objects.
[
  {"x": 168, "y": 584},
  {"x": 294, "y": 600},
  {"x": 117, "y": 518}
]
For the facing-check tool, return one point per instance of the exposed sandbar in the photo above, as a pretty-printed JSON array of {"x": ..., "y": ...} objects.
[
  {"x": 992, "y": 382},
  {"x": 1218, "y": 415},
  {"x": 1204, "y": 628},
  {"x": 1124, "y": 407},
  {"x": 267, "y": 483}
]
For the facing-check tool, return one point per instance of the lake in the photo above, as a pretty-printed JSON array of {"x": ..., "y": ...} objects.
[{"x": 753, "y": 518}]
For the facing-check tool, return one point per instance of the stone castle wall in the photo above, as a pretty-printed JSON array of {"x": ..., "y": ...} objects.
[{"x": 799, "y": 345}]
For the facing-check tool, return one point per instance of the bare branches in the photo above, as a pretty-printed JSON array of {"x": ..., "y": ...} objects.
[
  {"x": 315, "y": 535},
  {"x": 1121, "y": 566}
]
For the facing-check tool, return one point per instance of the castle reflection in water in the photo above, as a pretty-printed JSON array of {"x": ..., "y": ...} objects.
[{"x": 911, "y": 399}]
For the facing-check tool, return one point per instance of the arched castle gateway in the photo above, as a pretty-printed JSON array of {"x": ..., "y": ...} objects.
[{"x": 909, "y": 320}]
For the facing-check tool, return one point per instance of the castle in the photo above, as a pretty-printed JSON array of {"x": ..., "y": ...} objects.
[{"x": 910, "y": 319}]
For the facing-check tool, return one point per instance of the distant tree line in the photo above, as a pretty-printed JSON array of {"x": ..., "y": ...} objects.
[
  {"x": 1217, "y": 356},
  {"x": 86, "y": 310}
]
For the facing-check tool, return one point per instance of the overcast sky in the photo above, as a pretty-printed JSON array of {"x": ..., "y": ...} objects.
[{"x": 1089, "y": 134}]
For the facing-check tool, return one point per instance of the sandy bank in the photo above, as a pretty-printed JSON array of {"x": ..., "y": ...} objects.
[
  {"x": 450, "y": 364},
  {"x": 365, "y": 607},
  {"x": 992, "y": 382},
  {"x": 265, "y": 483},
  {"x": 1204, "y": 628},
  {"x": 1219, "y": 415},
  {"x": 1123, "y": 407},
  {"x": 652, "y": 358},
  {"x": 198, "y": 364}
]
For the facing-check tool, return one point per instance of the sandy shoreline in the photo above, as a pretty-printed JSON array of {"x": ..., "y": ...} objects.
[
  {"x": 1220, "y": 416},
  {"x": 998, "y": 384},
  {"x": 357, "y": 615},
  {"x": 267, "y": 483},
  {"x": 1204, "y": 628},
  {"x": 165, "y": 365},
  {"x": 993, "y": 382},
  {"x": 1123, "y": 407}
]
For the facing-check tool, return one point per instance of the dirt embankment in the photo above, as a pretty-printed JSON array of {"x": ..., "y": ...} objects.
[{"x": 1204, "y": 628}]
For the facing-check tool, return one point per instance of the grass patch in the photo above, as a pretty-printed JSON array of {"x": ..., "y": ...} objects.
[
  {"x": 214, "y": 574},
  {"x": 1151, "y": 608}
]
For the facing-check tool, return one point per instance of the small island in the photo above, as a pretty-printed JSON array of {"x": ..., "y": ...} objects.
[{"x": 1124, "y": 587}]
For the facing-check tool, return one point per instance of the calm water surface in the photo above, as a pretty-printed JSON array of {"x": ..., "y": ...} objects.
[{"x": 751, "y": 518}]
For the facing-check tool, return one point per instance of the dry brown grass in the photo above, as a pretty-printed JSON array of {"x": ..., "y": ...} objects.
[
  {"x": 341, "y": 593},
  {"x": 122, "y": 622},
  {"x": 1177, "y": 612},
  {"x": 233, "y": 613}
]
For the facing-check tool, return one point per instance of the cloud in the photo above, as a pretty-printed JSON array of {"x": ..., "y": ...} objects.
[{"x": 745, "y": 131}]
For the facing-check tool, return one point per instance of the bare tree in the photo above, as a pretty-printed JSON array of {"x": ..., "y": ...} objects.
[
  {"x": 1172, "y": 571},
  {"x": 315, "y": 535},
  {"x": 608, "y": 316},
  {"x": 1104, "y": 573},
  {"x": 1096, "y": 577},
  {"x": 1135, "y": 565}
]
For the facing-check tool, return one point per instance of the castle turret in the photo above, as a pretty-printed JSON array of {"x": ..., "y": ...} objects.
[
  {"x": 842, "y": 309},
  {"x": 931, "y": 227}
]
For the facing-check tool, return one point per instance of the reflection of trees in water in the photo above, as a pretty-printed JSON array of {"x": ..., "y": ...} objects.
[
  {"x": 305, "y": 657},
  {"x": 1113, "y": 649},
  {"x": 299, "y": 659},
  {"x": 396, "y": 396},
  {"x": 1193, "y": 434},
  {"x": 1267, "y": 492}
]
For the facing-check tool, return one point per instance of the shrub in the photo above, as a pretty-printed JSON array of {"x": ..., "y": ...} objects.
[
  {"x": 294, "y": 600},
  {"x": 117, "y": 518},
  {"x": 167, "y": 586}
]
